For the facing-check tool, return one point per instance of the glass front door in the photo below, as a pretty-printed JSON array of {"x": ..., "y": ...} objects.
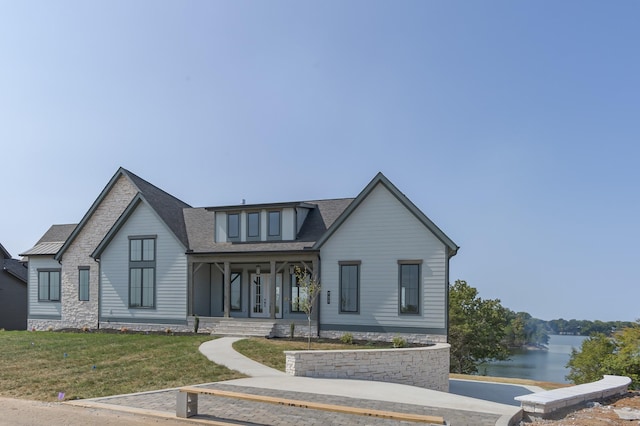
[{"x": 261, "y": 294}]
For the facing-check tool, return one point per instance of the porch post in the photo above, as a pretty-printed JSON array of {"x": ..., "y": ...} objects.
[
  {"x": 272, "y": 290},
  {"x": 316, "y": 276},
  {"x": 190, "y": 274},
  {"x": 227, "y": 289}
]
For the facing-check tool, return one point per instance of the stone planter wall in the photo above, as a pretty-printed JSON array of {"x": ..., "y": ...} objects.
[{"x": 426, "y": 367}]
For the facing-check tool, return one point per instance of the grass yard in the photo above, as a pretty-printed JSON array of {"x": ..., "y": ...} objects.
[
  {"x": 270, "y": 352},
  {"x": 39, "y": 365}
]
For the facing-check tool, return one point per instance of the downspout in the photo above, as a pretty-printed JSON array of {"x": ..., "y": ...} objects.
[{"x": 99, "y": 286}]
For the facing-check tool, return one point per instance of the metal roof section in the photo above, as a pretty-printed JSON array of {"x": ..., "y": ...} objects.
[
  {"x": 280, "y": 205},
  {"x": 381, "y": 179},
  {"x": 52, "y": 241}
]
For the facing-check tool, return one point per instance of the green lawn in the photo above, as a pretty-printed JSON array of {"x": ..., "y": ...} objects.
[
  {"x": 33, "y": 365},
  {"x": 270, "y": 352}
]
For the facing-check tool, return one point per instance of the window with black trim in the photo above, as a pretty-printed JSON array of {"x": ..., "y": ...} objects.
[
  {"x": 142, "y": 271},
  {"x": 236, "y": 291},
  {"x": 298, "y": 295},
  {"x": 49, "y": 285},
  {"x": 273, "y": 225},
  {"x": 349, "y": 287},
  {"x": 409, "y": 287},
  {"x": 253, "y": 225},
  {"x": 83, "y": 283},
  {"x": 233, "y": 226}
]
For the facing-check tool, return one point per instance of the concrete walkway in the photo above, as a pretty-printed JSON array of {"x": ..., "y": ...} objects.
[
  {"x": 221, "y": 352},
  {"x": 455, "y": 409}
]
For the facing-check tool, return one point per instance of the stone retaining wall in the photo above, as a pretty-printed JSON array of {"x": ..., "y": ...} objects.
[{"x": 427, "y": 367}]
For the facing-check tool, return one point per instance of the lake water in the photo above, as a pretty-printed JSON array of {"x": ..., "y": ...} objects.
[{"x": 548, "y": 366}]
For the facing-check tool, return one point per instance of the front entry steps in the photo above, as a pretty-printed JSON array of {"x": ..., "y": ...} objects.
[{"x": 244, "y": 327}]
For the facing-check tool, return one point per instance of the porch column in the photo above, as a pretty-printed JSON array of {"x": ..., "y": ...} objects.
[
  {"x": 316, "y": 309},
  {"x": 227, "y": 289},
  {"x": 190, "y": 274},
  {"x": 272, "y": 302}
]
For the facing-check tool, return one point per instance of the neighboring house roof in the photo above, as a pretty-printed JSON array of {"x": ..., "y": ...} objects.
[
  {"x": 12, "y": 266},
  {"x": 380, "y": 179},
  {"x": 200, "y": 223},
  {"x": 15, "y": 268},
  {"x": 168, "y": 207},
  {"x": 52, "y": 241},
  {"x": 4, "y": 252}
]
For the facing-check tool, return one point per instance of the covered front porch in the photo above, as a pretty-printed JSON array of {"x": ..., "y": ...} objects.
[{"x": 247, "y": 286}]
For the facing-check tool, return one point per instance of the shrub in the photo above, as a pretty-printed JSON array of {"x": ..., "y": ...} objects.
[
  {"x": 399, "y": 342},
  {"x": 292, "y": 330},
  {"x": 347, "y": 338}
]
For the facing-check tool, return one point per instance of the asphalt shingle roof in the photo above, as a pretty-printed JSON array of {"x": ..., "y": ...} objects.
[
  {"x": 200, "y": 224},
  {"x": 15, "y": 268},
  {"x": 169, "y": 208}
]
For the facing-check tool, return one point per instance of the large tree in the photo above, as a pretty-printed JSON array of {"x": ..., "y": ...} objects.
[{"x": 476, "y": 328}]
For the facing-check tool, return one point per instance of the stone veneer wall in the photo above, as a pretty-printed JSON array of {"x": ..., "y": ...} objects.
[
  {"x": 425, "y": 339},
  {"x": 76, "y": 313},
  {"x": 426, "y": 367}
]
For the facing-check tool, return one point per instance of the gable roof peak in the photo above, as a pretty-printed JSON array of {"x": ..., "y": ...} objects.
[
  {"x": 380, "y": 178},
  {"x": 168, "y": 207}
]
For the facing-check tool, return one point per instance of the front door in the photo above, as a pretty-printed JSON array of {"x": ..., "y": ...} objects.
[{"x": 261, "y": 295}]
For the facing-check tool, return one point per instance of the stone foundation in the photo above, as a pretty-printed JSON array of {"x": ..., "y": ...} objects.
[{"x": 424, "y": 339}]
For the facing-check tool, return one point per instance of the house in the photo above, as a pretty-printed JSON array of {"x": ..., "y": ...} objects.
[
  {"x": 142, "y": 259},
  {"x": 13, "y": 292}
]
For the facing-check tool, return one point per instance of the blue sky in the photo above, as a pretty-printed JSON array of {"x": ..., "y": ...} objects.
[{"x": 513, "y": 125}]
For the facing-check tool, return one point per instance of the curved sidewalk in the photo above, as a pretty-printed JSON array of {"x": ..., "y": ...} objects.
[{"x": 221, "y": 352}]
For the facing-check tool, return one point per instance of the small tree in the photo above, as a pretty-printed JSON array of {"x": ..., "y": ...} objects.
[
  {"x": 600, "y": 355},
  {"x": 311, "y": 289}
]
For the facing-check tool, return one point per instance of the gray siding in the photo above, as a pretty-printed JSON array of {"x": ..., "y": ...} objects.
[
  {"x": 171, "y": 272},
  {"x": 49, "y": 310},
  {"x": 378, "y": 234}
]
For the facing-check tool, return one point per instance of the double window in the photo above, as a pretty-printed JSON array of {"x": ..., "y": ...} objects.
[
  {"x": 409, "y": 287},
  {"x": 49, "y": 285},
  {"x": 349, "y": 287},
  {"x": 142, "y": 271},
  {"x": 83, "y": 283}
]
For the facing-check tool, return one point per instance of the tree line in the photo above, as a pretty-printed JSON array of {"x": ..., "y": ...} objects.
[{"x": 481, "y": 330}]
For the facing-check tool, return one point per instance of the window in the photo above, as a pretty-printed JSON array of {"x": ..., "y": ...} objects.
[
  {"x": 274, "y": 225},
  {"x": 83, "y": 283},
  {"x": 298, "y": 295},
  {"x": 236, "y": 288},
  {"x": 253, "y": 225},
  {"x": 349, "y": 286},
  {"x": 49, "y": 285},
  {"x": 142, "y": 271},
  {"x": 233, "y": 226},
  {"x": 409, "y": 282}
]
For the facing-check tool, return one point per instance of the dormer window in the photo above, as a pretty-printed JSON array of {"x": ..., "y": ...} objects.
[
  {"x": 274, "y": 225},
  {"x": 233, "y": 227},
  {"x": 253, "y": 225}
]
